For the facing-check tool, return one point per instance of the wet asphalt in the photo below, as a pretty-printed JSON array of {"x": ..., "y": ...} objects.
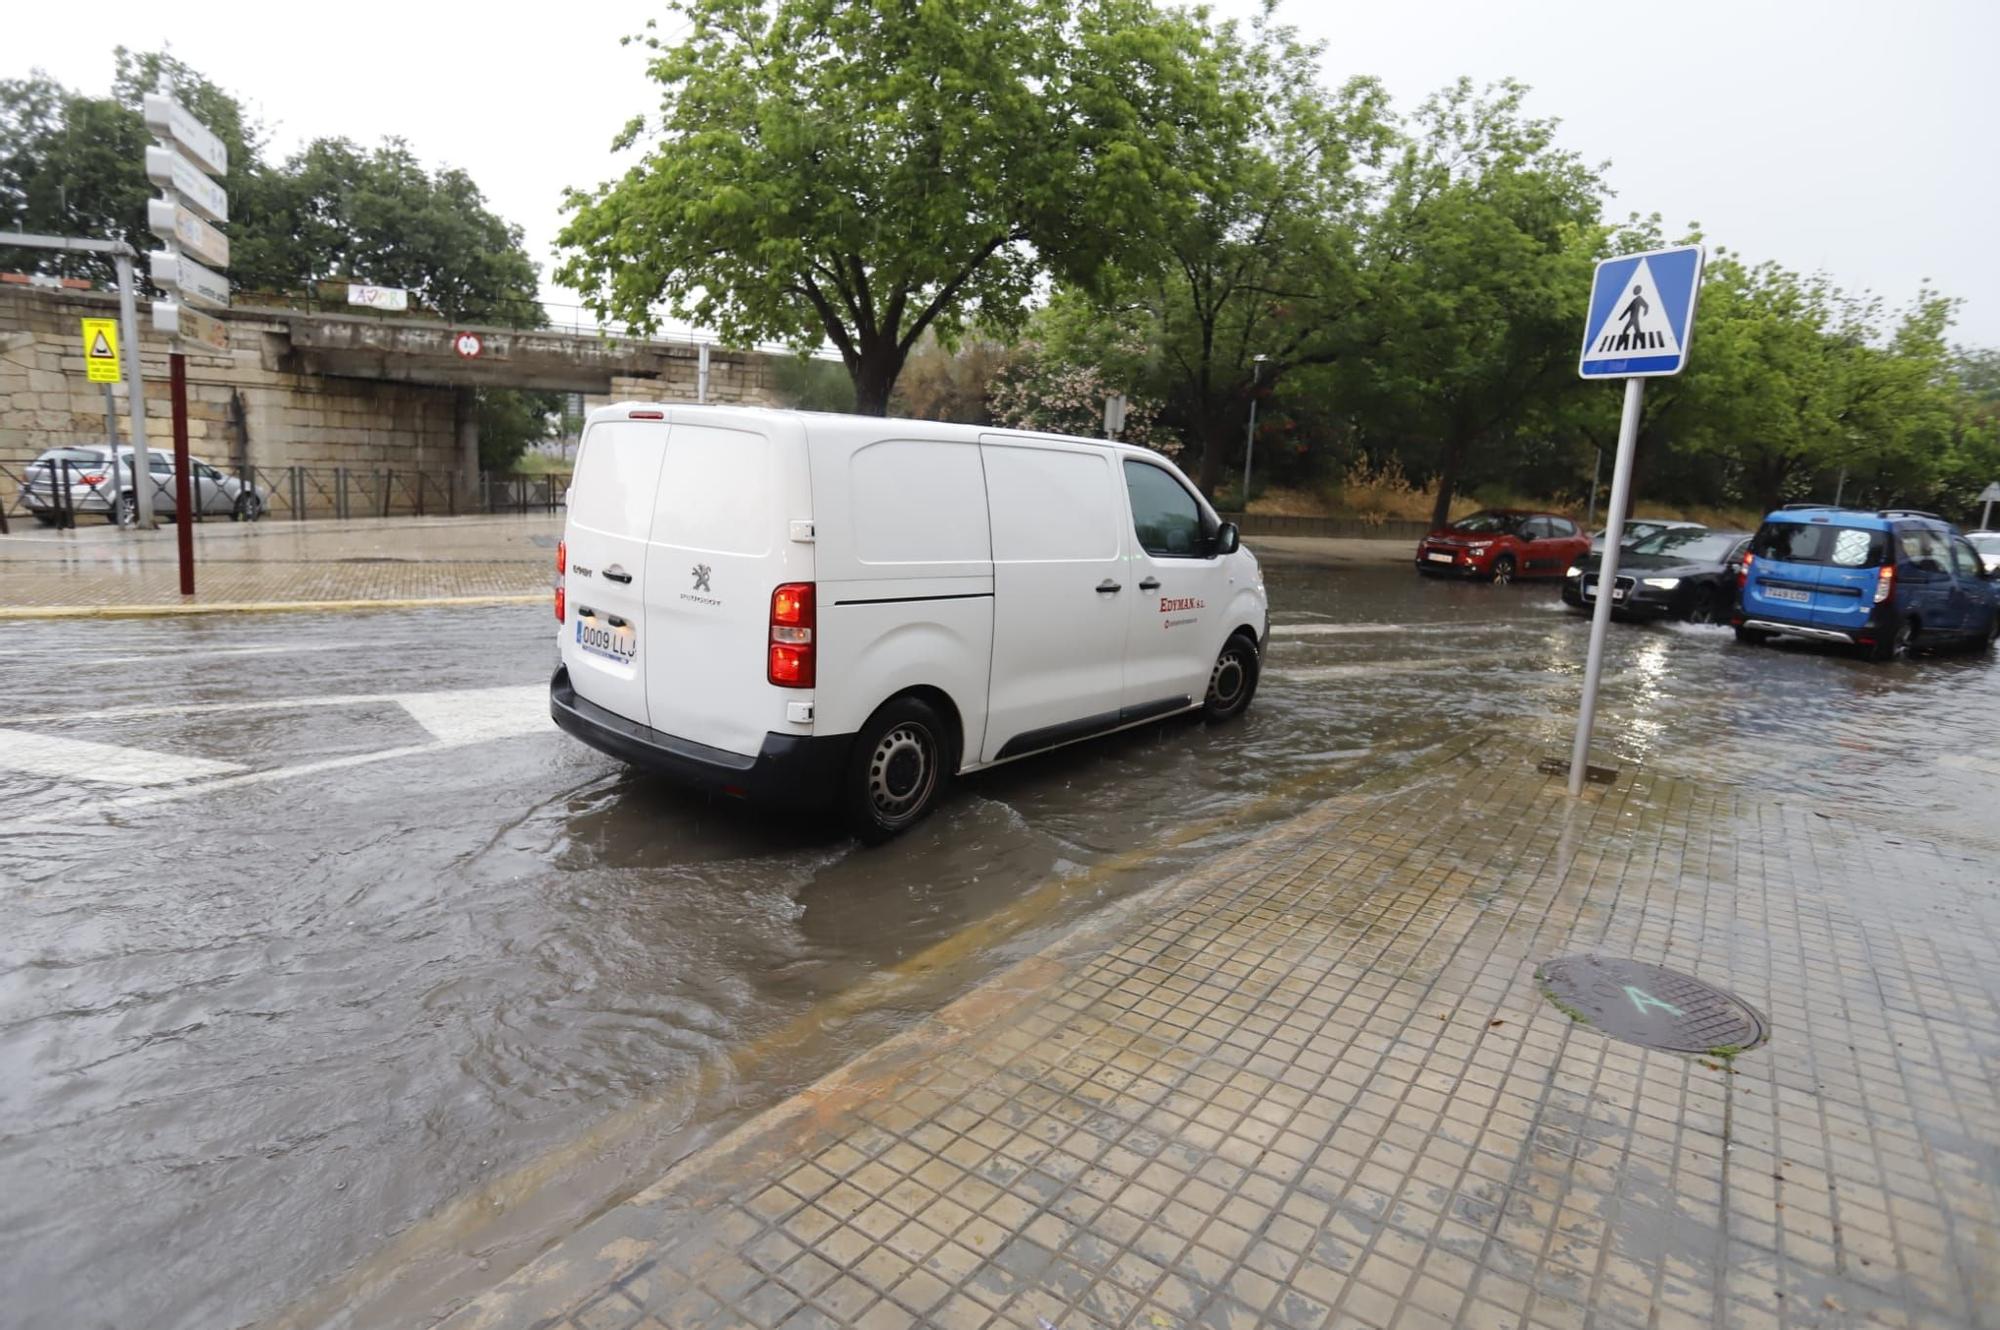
[{"x": 332, "y": 1005}]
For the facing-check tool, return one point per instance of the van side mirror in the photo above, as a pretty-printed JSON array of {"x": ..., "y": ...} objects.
[{"x": 1227, "y": 539}]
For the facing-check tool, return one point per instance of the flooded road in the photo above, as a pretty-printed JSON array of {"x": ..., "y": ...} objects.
[{"x": 334, "y": 982}]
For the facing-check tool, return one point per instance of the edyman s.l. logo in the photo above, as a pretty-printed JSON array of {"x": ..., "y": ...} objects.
[
  {"x": 701, "y": 572},
  {"x": 1169, "y": 605}
]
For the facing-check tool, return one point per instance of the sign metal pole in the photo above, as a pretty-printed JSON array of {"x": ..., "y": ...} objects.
[{"x": 1607, "y": 578}]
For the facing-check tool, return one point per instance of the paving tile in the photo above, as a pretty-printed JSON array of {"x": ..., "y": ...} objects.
[{"x": 1322, "y": 1089}]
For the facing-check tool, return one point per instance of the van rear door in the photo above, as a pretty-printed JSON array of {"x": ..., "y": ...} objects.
[
  {"x": 729, "y": 489},
  {"x": 605, "y": 640},
  {"x": 1850, "y": 569}
]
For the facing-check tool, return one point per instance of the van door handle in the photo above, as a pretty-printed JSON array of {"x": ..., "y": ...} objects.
[
  {"x": 1150, "y": 584},
  {"x": 1108, "y": 587},
  {"x": 617, "y": 574}
]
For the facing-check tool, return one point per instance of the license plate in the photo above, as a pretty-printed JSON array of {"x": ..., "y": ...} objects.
[
  {"x": 1786, "y": 593},
  {"x": 613, "y": 641},
  {"x": 1438, "y": 558},
  {"x": 1618, "y": 593}
]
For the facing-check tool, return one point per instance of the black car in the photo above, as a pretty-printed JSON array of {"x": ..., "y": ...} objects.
[{"x": 1676, "y": 574}]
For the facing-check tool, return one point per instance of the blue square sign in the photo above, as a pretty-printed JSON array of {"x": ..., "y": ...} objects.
[{"x": 1641, "y": 314}]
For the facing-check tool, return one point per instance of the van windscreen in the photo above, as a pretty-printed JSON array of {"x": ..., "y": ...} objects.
[{"x": 1821, "y": 542}]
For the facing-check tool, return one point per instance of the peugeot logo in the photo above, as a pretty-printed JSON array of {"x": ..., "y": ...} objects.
[{"x": 701, "y": 572}]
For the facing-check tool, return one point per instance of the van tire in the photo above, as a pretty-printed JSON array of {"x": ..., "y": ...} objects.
[
  {"x": 901, "y": 760},
  {"x": 1233, "y": 680}
]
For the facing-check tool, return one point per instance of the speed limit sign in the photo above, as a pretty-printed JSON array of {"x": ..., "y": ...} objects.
[{"x": 468, "y": 345}]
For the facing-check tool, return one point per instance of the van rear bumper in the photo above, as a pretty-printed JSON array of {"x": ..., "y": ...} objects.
[{"x": 798, "y": 769}]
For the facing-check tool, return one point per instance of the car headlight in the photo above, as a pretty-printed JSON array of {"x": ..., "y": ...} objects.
[
  {"x": 1575, "y": 570},
  {"x": 1480, "y": 549},
  {"x": 1663, "y": 583}
]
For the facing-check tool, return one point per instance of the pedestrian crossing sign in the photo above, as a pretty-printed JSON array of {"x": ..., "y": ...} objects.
[
  {"x": 1641, "y": 314},
  {"x": 100, "y": 350}
]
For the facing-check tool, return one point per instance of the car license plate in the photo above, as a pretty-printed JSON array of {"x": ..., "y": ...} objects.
[
  {"x": 610, "y": 637},
  {"x": 1786, "y": 593},
  {"x": 1618, "y": 593},
  {"x": 1435, "y": 557}
]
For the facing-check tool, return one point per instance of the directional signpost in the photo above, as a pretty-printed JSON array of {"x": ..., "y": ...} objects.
[
  {"x": 1641, "y": 318},
  {"x": 1988, "y": 496},
  {"x": 182, "y": 163}
]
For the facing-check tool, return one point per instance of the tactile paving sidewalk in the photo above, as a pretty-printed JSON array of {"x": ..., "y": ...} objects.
[{"x": 1315, "y": 1084}]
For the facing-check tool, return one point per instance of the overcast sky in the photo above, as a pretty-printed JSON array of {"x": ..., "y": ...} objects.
[{"x": 1854, "y": 138}]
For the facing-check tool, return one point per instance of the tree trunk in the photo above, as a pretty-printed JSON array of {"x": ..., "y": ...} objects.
[
  {"x": 874, "y": 372},
  {"x": 1454, "y": 452}
]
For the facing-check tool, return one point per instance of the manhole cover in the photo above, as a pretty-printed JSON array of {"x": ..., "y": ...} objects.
[{"x": 1651, "y": 1005}]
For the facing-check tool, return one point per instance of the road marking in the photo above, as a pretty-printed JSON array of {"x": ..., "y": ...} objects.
[
  {"x": 1322, "y": 673},
  {"x": 109, "y": 764},
  {"x": 454, "y": 719},
  {"x": 474, "y": 715},
  {"x": 276, "y": 773},
  {"x": 1344, "y": 629},
  {"x": 174, "y": 653}
]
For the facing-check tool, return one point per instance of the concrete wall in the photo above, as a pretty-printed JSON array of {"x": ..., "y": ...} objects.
[
  {"x": 295, "y": 414},
  {"x": 290, "y": 419}
]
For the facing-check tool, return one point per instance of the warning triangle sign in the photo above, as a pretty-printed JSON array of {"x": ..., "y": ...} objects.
[
  {"x": 100, "y": 346},
  {"x": 1636, "y": 323}
]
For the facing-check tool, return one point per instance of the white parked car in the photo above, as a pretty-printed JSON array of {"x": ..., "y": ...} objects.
[
  {"x": 1988, "y": 545},
  {"x": 851, "y": 610}
]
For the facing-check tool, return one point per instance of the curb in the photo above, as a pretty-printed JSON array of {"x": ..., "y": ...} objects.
[{"x": 260, "y": 607}]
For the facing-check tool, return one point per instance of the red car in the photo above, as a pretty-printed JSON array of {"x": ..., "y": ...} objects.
[{"x": 1501, "y": 544}]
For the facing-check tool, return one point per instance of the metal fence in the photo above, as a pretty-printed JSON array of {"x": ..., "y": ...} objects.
[{"x": 65, "y": 493}]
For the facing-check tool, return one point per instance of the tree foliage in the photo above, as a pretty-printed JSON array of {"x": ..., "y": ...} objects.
[
  {"x": 71, "y": 164},
  {"x": 865, "y": 173}
]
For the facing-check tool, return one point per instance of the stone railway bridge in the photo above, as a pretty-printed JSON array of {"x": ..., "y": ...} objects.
[{"x": 327, "y": 390}]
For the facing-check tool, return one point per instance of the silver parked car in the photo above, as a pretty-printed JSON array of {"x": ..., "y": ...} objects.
[
  {"x": 1988, "y": 545},
  {"x": 91, "y": 490}
]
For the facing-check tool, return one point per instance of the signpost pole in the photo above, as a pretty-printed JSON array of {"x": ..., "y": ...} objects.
[
  {"x": 135, "y": 390},
  {"x": 1607, "y": 578}
]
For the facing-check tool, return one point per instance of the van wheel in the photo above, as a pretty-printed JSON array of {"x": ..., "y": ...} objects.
[
  {"x": 1233, "y": 681},
  {"x": 896, "y": 769}
]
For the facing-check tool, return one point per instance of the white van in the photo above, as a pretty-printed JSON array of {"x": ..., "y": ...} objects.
[{"x": 849, "y": 610}]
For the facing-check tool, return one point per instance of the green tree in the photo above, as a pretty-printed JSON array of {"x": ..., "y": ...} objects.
[
  {"x": 1256, "y": 254},
  {"x": 1487, "y": 236},
  {"x": 72, "y": 164},
  {"x": 512, "y": 420},
  {"x": 808, "y": 383},
  {"x": 860, "y": 174}
]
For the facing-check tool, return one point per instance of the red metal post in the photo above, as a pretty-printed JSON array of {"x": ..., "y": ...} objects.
[{"x": 183, "y": 504}]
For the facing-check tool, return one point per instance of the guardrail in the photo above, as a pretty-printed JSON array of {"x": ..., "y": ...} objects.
[{"x": 67, "y": 492}]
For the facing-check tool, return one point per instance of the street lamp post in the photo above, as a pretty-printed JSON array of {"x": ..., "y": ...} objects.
[{"x": 1250, "y": 431}]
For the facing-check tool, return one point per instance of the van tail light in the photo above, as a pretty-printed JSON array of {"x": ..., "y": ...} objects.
[
  {"x": 793, "y": 619},
  {"x": 562, "y": 557},
  {"x": 1885, "y": 583},
  {"x": 645, "y": 415},
  {"x": 562, "y": 603},
  {"x": 1743, "y": 570}
]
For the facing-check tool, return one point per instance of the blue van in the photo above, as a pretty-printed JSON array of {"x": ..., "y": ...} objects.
[{"x": 1885, "y": 581}]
